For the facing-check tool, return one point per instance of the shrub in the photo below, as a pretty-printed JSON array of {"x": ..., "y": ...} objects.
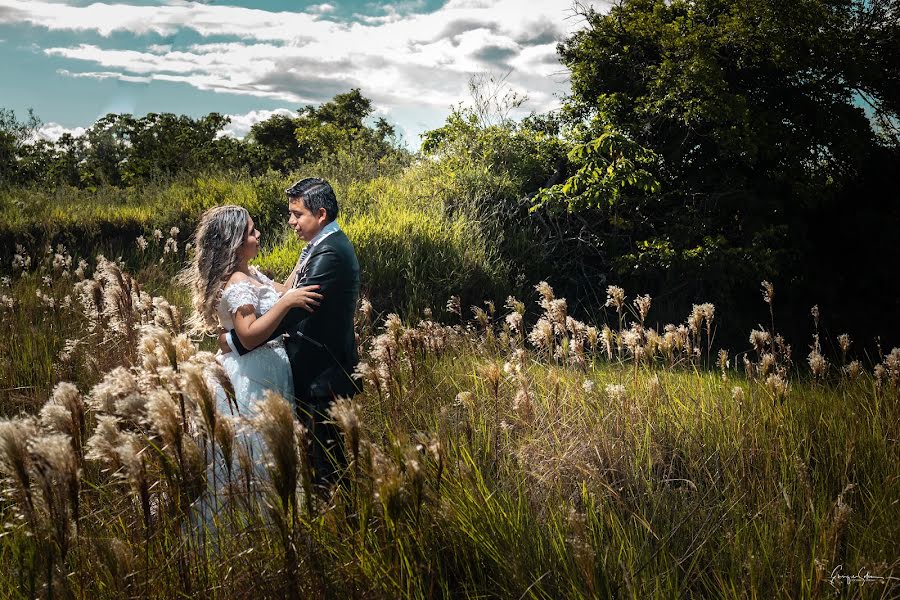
[{"x": 412, "y": 254}]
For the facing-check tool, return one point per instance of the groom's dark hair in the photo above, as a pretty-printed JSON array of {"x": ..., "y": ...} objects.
[{"x": 316, "y": 193}]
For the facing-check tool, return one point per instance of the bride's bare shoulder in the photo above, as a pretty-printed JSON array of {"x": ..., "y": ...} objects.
[{"x": 236, "y": 277}]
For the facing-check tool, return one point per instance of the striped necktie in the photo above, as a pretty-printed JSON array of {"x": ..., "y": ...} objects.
[{"x": 303, "y": 253}]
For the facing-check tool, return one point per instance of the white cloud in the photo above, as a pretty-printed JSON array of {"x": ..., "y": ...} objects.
[
  {"x": 240, "y": 124},
  {"x": 54, "y": 131},
  {"x": 321, "y": 9},
  {"x": 101, "y": 75},
  {"x": 401, "y": 59},
  {"x": 163, "y": 20}
]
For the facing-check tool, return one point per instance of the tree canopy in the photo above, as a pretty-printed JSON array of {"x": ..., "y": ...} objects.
[
  {"x": 124, "y": 150},
  {"x": 338, "y": 125},
  {"x": 721, "y": 140}
]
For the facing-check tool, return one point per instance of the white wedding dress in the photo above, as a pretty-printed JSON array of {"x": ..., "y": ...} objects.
[
  {"x": 261, "y": 369},
  {"x": 252, "y": 374}
]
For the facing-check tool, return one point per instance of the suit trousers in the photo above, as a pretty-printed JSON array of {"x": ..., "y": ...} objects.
[{"x": 326, "y": 452}]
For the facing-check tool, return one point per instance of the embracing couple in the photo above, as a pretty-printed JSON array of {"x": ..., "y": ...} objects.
[{"x": 297, "y": 338}]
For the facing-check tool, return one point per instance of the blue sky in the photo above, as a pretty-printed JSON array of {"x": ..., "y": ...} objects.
[{"x": 74, "y": 61}]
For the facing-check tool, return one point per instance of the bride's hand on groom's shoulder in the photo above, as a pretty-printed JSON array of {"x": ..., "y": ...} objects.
[{"x": 306, "y": 297}]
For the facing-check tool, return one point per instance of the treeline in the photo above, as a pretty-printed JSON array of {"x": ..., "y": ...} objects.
[
  {"x": 706, "y": 145},
  {"x": 123, "y": 150}
]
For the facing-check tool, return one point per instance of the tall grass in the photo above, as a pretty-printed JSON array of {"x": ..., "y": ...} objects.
[
  {"x": 417, "y": 244},
  {"x": 411, "y": 256},
  {"x": 110, "y": 218},
  {"x": 488, "y": 458}
]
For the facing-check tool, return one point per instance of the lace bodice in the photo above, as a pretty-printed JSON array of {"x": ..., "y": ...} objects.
[{"x": 259, "y": 293}]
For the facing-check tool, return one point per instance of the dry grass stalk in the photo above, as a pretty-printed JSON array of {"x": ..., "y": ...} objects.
[
  {"x": 15, "y": 461},
  {"x": 275, "y": 422},
  {"x": 57, "y": 473}
]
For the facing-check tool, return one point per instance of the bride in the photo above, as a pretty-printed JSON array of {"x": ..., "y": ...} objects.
[{"x": 228, "y": 293}]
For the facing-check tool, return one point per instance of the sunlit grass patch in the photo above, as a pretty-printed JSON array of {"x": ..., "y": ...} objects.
[{"x": 413, "y": 254}]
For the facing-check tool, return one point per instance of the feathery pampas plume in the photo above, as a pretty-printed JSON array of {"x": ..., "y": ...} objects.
[
  {"x": 57, "y": 474},
  {"x": 15, "y": 460},
  {"x": 64, "y": 412},
  {"x": 275, "y": 423}
]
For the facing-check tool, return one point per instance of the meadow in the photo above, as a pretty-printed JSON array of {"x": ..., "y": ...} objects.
[
  {"x": 497, "y": 450},
  {"x": 533, "y": 423}
]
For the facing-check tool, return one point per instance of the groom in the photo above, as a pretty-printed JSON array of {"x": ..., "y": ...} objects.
[{"x": 320, "y": 345}]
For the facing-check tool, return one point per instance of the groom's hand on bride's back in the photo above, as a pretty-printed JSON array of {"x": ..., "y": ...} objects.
[{"x": 305, "y": 297}]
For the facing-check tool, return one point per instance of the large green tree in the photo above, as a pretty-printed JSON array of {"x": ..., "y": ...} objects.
[
  {"x": 165, "y": 144},
  {"x": 339, "y": 125},
  {"x": 275, "y": 143},
  {"x": 716, "y": 138},
  {"x": 118, "y": 149}
]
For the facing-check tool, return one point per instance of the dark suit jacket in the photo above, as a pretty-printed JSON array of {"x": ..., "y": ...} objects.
[{"x": 321, "y": 345}]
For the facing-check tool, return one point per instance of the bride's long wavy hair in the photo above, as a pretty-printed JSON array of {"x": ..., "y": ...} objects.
[{"x": 221, "y": 232}]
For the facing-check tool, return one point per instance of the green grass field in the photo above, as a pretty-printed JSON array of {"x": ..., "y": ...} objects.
[{"x": 490, "y": 457}]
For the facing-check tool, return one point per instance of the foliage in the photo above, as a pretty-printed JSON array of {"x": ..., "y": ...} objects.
[
  {"x": 275, "y": 142},
  {"x": 14, "y": 136},
  {"x": 609, "y": 167},
  {"x": 759, "y": 120},
  {"x": 339, "y": 123},
  {"x": 318, "y": 133},
  {"x": 490, "y": 166},
  {"x": 125, "y": 151},
  {"x": 414, "y": 251},
  {"x": 121, "y": 150},
  {"x": 109, "y": 218},
  {"x": 504, "y": 162}
]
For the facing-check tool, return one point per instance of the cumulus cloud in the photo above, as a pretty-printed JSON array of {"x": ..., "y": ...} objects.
[
  {"x": 165, "y": 20},
  {"x": 54, "y": 131},
  {"x": 240, "y": 124},
  {"x": 305, "y": 57},
  {"x": 321, "y": 9}
]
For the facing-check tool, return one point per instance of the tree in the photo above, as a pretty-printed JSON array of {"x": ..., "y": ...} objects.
[
  {"x": 339, "y": 125},
  {"x": 14, "y": 135},
  {"x": 36, "y": 160},
  {"x": 344, "y": 111},
  {"x": 283, "y": 142},
  {"x": 166, "y": 144},
  {"x": 757, "y": 118},
  {"x": 276, "y": 141},
  {"x": 489, "y": 166},
  {"x": 108, "y": 147},
  {"x": 65, "y": 164}
]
